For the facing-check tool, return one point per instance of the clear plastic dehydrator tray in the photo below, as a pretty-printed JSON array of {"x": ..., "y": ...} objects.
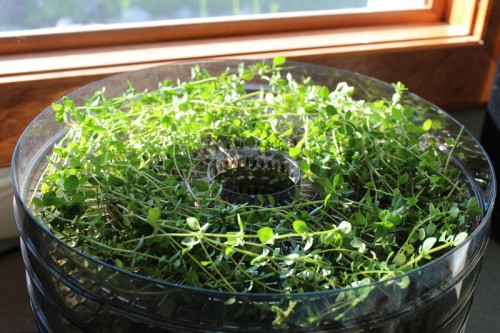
[{"x": 71, "y": 291}]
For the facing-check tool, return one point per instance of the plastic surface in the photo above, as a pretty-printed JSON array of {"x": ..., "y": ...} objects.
[
  {"x": 7, "y": 224},
  {"x": 437, "y": 298}
]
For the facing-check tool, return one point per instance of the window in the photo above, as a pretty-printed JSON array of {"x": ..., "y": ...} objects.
[
  {"x": 61, "y": 15},
  {"x": 44, "y": 25}
]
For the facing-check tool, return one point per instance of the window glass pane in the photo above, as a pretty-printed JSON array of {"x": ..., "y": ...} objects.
[
  {"x": 395, "y": 4},
  {"x": 18, "y": 15}
]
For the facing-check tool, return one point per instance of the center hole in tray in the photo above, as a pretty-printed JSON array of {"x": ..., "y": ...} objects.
[{"x": 246, "y": 173}]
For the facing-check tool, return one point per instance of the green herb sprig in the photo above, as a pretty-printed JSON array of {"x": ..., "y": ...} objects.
[{"x": 126, "y": 183}]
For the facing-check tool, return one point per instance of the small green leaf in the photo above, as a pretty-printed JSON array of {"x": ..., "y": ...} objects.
[
  {"x": 397, "y": 113},
  {"x": 430, "y": 229},
  {"x": 403, "y": 179},
  {"x": 191, "y": 276},
  {"x": 252, "y": 218},
  {"x": 309, "y": 242},
  {"x": 338, "y": 181},
  {"x": 356, "y": 242},
  {"x": 428, "y": 244},
  {"x": 57, "y": 107},
  {"x": 279, "y": 60},
  {"x": 228, "y": 251},
  {"x": 60, "y": 115},
  {"x": 240, "y": 224},
  {"x": 70, "y": 183},
  {"x": 193, "y": 223},
  {"x": 288, "y": 132},
  {"x": 327, "y": 198},
  {"x": 454, "y": 211},
  {"x": 153, "y": 215},
  {"x": 119, "y": 263},
  {"x": 37, "y": 202},
  {"x": 408, "y": 248},
  {"x": 265, "y": 234},
  {"x": 300, "y": 227},
  {"x": 427, "y": 125},
  {"x": 421, "y": 234},
  {"x": 400, "y": 259},
  {"x": 403, "y": 282},
  {"x": 358, "y": 219},
  {"x": 201, "y": 185},
  {"x": 271, "y": 200},
  {"x": 80, "y": 116},
  {"x": 316, "y": 168},
  {"x": 79, "y": 197},
  {"x": 331, "y": 238},
  {"x": 166, "y": 122},
  {"x": 68, "y": 103},
  {"x": 291, "y": 258},
  {"x": 459, "y": 238},
  {"x": 434, "y": 179},
  {"x": 49, "y": 198},
  {"x": 305, "y": 167},
  {"x": 294, "y": 151},
  {"x": 331, "y": 110},
  {"x": 344, "y": 227},
  {"x": 115, "y": 181},
  {"x": 436, "y": 124}
]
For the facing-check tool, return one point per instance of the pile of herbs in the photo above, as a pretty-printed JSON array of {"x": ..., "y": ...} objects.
[{"x": 127, "y": 183}]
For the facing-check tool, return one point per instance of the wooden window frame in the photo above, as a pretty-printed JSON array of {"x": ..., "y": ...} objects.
[
  {"x": 445, "y": 53},
  {"x": 203, "y": 28},
  {"x": 116, "y": 48}
]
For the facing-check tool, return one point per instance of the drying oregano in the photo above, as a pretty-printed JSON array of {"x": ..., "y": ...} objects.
[{"x": 127, "y": 183}]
